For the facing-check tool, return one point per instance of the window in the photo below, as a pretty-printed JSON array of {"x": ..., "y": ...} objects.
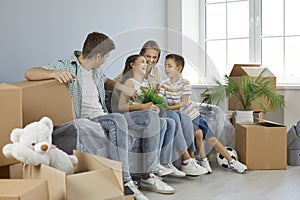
[{"x": 252, "y": 31}]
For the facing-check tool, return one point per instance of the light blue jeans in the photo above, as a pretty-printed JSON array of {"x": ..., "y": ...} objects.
[
  {"x": 105, "y": 136},
  {"x": 144, "y": 134},
  {"x": 167, "y": 133},
  {"x": 184, "y": 133},
  {"x": 116, "y": 128}
]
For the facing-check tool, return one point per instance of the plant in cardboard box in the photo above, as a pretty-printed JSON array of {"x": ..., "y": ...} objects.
[
  {"x": 245, "y": 91},
  {"x": 33, "y": 145}
]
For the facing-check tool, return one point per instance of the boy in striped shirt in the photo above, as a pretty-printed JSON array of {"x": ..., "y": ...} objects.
[{"x": 177, "y": 92}]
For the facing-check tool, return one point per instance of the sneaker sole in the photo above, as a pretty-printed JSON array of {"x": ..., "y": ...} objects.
[
  {"x": 179, "y": 176},
  {"x": 146, "y": 187},
  {"x": 165, "y": 174},
  {"x": 242, "y": 171},
  {"x": 194, "y": 174}
]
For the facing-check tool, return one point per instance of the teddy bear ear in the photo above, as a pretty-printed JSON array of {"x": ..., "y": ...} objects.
[
  {"x": 15, "y": 134},
  {"x": 48, "y": 122}
]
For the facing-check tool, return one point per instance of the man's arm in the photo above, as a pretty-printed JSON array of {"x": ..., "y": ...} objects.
[{"x": 39, "y": 73}]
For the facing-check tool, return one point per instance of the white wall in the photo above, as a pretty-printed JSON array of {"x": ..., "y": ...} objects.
[{"x": 35, "y": 32}]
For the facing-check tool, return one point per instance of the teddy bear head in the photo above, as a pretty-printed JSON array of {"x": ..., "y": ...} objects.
[{"x": 35, "y": 136}]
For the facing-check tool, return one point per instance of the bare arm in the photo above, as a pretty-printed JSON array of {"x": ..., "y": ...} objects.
[
  {"x": 38, "y": 73},
  {"x": 128, "y": 91},
  {"x": 124, "y": 106},
  {"x": 182, "y": 104}
]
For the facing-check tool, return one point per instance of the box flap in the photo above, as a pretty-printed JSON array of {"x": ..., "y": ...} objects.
[
  {"x": 89, "y": 162},
  {"x": 56, "y": 179},
  {"x": 94, "y": 185},
  {"x": 255, "y": 71},
  {"x": 237, "y": 69},
  {"x": 23, "y": 189}
]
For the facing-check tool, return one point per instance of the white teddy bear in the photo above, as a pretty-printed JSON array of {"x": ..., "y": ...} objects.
[{"x": 33, "y": 145}]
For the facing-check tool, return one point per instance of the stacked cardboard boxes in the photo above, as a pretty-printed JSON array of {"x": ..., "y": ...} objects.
[
  {"x": 24, "y": 102},
  {"x": 27, "y": 101}
]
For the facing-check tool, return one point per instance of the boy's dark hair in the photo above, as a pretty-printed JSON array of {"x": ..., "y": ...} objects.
[
  {"x": 150, "y": 44},
  {"x": 97, "y": 43},
  {"x": 179, "y": 60}
]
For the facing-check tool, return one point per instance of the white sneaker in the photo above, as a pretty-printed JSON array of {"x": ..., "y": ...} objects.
[
  {"x": 239, "y": 167},
  {"x": 205, "y": 163},
  {"x": 155, "y": 183},
  {"x": 193, "y": 168},
  {"x": 163, "y": 171},
  {"x": 138, "y": 195},
  {"x": 176, "y": 172}
]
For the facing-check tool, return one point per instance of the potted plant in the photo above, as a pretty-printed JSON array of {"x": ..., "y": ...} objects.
[{"x": 248, "y": 91}]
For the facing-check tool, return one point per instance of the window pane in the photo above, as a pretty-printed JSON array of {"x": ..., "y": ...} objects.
[
  {"x": 292, "y": 61},
  {"x": 272, "y": 55},
  {"x": 238, "y": 19},
  {"x": 238, "y": 52},
  {"x": 214, "y": 1},
  {"x": 216, "y": 58},
  {"x": 216, "y": 21},
  {"x": 292, "y": 16},
  {"x": 272, "y": 18}
]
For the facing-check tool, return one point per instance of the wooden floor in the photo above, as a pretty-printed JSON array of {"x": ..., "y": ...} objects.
[{"x": 226, "y": 184}]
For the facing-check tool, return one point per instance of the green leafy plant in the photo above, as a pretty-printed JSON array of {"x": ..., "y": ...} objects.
[
  {"x": 249, "y": 91},
  {"x": 150, "y": 95}
]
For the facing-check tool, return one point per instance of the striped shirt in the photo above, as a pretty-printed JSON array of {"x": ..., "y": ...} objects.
[{"x": 173, "y": 94}]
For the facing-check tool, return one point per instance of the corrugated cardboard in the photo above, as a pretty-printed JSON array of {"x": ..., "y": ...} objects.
[
  {"x": 19, "y": 189},
  {"x": 13, "y": 171},
  {"x": 46, "y": 98},
  {"x": 27, "y": 101},
  {"x": 253, "y": 70},
  {"x": 261, "y": 145},
  {"x": 10, "y": 116},
  {"x": 94, "y": 178}
]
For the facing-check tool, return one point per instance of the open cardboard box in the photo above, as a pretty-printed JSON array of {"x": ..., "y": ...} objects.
[
  {"x": 94, "y": 178},
  {"x": 261, "y": 145},
  {"x": 13, "y": 187},
  {"x": 253, "y": 70},
  {"x": 27, "y": 101},
  {"x": 18, "y": 189}
]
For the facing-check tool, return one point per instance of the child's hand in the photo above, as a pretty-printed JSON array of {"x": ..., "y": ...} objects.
[
  {"x": 155, "y": 109},
  {"x": 171, "y": 103}
]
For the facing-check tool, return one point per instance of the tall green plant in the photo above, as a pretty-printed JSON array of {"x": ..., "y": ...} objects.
[{"x": 248, "y": 92}]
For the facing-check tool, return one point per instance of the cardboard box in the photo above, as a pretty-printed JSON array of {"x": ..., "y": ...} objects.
[
  {"x": 253, "y": 70},
  {"x": 257, "y": 117},
  {"x": 10, "y": 116},
  {"x": 46, "y": 98},
  {"x": 18, "y": 189},
  {"x": 94, "y": 178},
  {"x": 13, "y": 171},
  {"x": 27, "y": 101},
  {"x": 261, "y": 145}
]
